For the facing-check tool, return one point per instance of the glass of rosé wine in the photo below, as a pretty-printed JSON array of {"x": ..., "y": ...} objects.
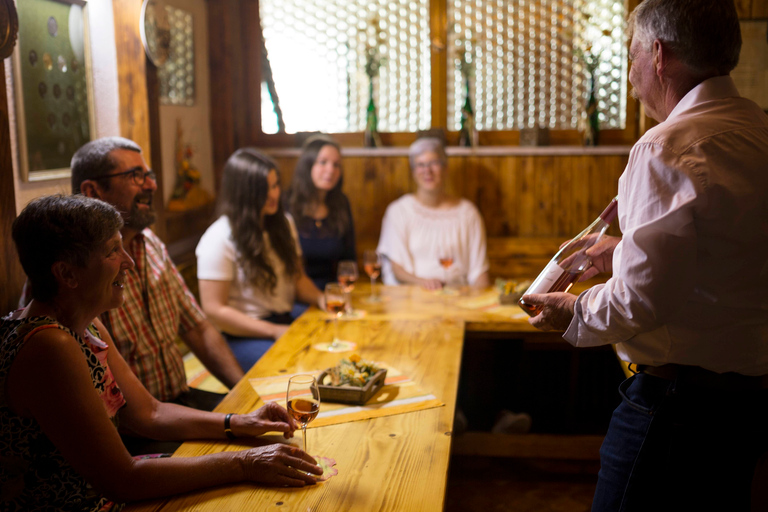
[
  {"x": 336, "y": 303},
  {"x": 372, "y": 265},
  {"x": 347, "y": 275},
  {"x": 446, "y": 260},
  {"x": 302, "y": 400}
]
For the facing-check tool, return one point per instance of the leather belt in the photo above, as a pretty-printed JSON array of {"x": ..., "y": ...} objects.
[{"x": 698, "y": 376}]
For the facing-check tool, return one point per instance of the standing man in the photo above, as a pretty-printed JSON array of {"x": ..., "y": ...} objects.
[
  {"x": 158, "y": 306},
  {"x": 687, "y": 304}
]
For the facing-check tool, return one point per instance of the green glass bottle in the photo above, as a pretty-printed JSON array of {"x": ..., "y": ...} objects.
[
  {"x": 467, "y": 127},
  {"x": 371, "y": 138},
  {"x": 592, "y": 128}
]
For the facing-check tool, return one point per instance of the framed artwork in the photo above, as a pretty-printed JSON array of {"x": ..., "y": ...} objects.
[
  {"x": 751, "y": 75},
  {"x": 52, "y": 83}
]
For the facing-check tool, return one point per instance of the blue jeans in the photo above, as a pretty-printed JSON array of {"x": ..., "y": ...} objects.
[
  {"x": 673, "y": 446},
  {"x": 249, "y": 350}
]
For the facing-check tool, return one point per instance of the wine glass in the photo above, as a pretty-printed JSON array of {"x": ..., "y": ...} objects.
[
  {"x": 446, "y": 260},
  {"x": 302, "y": 400},
  {"x": 336, "y": 303},
  {"x": 347, "y": 275},
  {"x": 372, "y": 265}
]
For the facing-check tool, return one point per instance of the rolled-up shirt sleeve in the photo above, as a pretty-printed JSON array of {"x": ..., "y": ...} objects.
[{"x": 655, "y": 263}]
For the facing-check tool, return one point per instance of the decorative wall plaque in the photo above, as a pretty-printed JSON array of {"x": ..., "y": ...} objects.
[
  {"x": 52, "y": 86},
  {"x": 155, "y": 31}
]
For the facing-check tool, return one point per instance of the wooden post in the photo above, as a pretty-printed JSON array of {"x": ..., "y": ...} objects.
[{"x": 9, "y": 262}]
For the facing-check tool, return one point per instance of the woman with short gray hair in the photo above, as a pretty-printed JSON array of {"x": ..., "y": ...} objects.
[{"x": 431, "y": 238}]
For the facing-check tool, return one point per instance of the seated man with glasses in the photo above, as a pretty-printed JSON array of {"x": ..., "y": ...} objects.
[{"x": 158, "y": 305}]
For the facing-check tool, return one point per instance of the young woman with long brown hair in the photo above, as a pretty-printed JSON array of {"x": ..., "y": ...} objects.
[{"x": 249, "y": 260}]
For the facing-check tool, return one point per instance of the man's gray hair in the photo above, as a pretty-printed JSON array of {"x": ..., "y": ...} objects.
[
  {"x": 93, "y": 159},
  {"x": 704, "y": 34},
  {"x": 427, "y": 145}
]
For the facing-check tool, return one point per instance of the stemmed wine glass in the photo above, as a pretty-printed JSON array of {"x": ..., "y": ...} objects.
[
  {"x": 372, "y": 265},
  {"x": 446, "y": 260},
  {"x": 302, "y": 400},
  {"x": 336, "y": 303},
  {"x": 347, "y": 275}
]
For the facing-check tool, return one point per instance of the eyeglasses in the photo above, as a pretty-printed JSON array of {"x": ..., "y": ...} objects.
[
  {"x": 139, "y": 176},
  {"x": 426, "y": 165}
]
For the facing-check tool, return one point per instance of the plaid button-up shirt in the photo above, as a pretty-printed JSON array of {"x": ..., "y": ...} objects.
[{"x": 158, "y": 307}]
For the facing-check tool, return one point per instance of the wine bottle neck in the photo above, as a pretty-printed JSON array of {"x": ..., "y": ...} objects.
[{"x": 609, "y": 214}]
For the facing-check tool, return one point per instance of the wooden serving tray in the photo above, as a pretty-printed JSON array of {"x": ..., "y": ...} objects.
[{"x": 350, "y": 394}]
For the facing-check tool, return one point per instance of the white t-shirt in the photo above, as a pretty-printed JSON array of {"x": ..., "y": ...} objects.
[
  {"x": 217, "y": 261},
  {"x": 415, "y": 237}
]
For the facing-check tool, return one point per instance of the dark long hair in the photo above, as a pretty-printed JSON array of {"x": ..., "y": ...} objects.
[
  {"x": 243, "y": 195},
  {"x": 302, "y": 192}
]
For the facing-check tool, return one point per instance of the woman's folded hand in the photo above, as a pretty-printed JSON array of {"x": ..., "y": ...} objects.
[
  {"x": 270, "y": 418},
  {"x": 279, "y": 464}
]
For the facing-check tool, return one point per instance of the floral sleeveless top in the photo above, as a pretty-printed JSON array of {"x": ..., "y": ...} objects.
[{"x": 33, "y": 473}]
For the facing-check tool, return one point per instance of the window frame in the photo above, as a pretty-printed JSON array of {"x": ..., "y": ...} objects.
[{"x": 438, "y": 26}]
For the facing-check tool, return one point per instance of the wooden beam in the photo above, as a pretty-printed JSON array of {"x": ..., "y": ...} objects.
[
  {"x": 439, "y": 49},
  {"x": 224, "y": 60},
  {"x": 131, "y": 75},
  {"x": 14, "y": 276}
]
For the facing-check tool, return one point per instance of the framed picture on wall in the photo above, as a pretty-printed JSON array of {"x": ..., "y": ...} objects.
[{"x": 53, "y": 86}]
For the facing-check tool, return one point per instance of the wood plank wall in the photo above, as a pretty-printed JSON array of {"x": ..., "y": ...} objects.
[{"x": 530, "y": 203}]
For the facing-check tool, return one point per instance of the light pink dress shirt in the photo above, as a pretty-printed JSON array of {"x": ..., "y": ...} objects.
[{"x": 690, "y": 276}]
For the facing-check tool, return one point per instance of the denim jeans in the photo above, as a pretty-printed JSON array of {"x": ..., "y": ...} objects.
[
  {"x": 249, "y": 350},
  {"x": 673, "y": 446}
]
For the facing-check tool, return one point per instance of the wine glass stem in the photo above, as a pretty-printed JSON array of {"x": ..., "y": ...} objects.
[
  {"x": 373, "y": 287},
  {"x": 348, "y": 307},
  {"x": 304, "y": 435},
  {"x": 336, "y": 329}
]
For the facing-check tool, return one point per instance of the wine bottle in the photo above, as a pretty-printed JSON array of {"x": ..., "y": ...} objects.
[{"x": 570, "y": 261}]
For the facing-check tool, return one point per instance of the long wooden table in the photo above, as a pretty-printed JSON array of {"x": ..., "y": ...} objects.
[{"x": 392, "y": 463}]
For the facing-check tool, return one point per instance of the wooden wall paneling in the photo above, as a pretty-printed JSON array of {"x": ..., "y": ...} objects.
[
  {"x": 580, "y": 192},
  {"x": 563, "y": 195},
  {"x": 529, "y": 208},
  {"x": 490, "y": 196},
  {"x": 759, "y": 9},
  {"x": 13, "y": 275},
  {"x": 744, "y": 8},
  {"x": 509, "y": 197},
  {"x": 131, "y": 74},
  {"x": 545, "y": 195}
]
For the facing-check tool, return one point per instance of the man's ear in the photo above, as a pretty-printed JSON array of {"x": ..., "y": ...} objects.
[
  {"x": 660, "y": 57},
  {"x": 90, "y": 188},
  {"x": 64, "y": 274}
]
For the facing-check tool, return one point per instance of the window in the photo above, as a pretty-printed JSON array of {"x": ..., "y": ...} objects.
[
  {"x": 529, "y": 63},
  {"x": 317, "y": 54}
]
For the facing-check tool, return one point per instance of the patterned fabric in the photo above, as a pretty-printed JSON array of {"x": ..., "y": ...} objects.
[
  {"x": 158, "y": 307},
  {"x": 33, "y": 473}
]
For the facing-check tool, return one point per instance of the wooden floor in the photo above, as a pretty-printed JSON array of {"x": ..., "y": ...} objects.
[{"x": 519, "y": 485}]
